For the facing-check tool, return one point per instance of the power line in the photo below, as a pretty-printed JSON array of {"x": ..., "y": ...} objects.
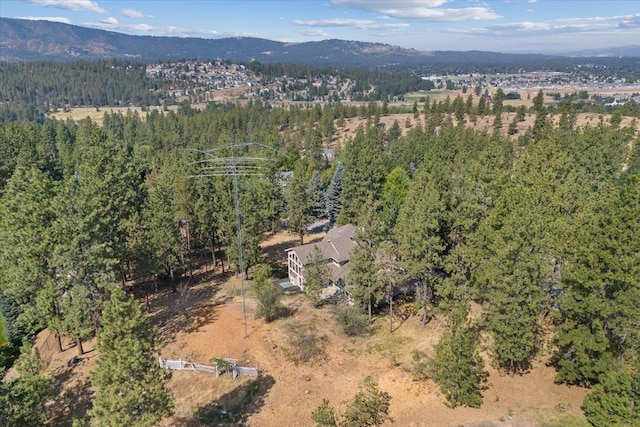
[{"x": 219, "y": 166}]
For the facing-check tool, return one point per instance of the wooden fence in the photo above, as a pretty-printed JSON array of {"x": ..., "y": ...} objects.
[{"x": 230, "y": 365}]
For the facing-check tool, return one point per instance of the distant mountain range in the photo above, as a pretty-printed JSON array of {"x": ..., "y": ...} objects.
[
  {"x": 627, "y": 51},
  {"x": 27, "y": 40}
]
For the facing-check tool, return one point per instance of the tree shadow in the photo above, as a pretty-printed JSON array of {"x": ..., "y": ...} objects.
[
  {"x": 74, "y": 395},
  {"x": 233, "y": 408},
  {"x": 187, "y": 309},
  {"x": 188, "y": 319}
]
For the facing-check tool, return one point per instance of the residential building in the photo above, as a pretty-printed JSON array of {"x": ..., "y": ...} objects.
[{"x": 335, "y": 248}]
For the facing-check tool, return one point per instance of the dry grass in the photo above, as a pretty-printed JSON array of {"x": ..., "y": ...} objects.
[{"x": 286, "y": 393}]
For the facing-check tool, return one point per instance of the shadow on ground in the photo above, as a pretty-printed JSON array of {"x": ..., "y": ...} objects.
[
  {"x": 233, "y": 408},
  {"x": 73, "y": 402}
]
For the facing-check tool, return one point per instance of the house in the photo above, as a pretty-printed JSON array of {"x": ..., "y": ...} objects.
[{"x": 335, "y": 248}]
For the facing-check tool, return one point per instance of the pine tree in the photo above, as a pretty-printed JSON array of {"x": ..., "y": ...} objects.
[
  {"x": 511, "y": 273},
  {"x": 22, "y": 399},
  {"x": 458, "y": 368},
  {"x": 394, "y": 191},
  {"x": 598, "y": 308},
  {"x": 131, "y": 386},
  {"x": 363, "y": 176},
  {"x": 369, "y": 407},
  {"x": 298, "y": 202},
  {"x": 267, "y": 295},
  {"x": 367, "y": 289},
  {"x": 419, "y": 235},
  {"x": 317, "y": 276},
  {"x": 615, "y": 401},
  {"x": 316, "y": 194},
  {"x": 161, "y": 224},
  {"x": 27, "y": 214},
  {"x": 332, "y": 197}
]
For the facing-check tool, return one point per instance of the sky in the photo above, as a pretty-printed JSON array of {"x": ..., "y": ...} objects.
[{"x": 522, "y": 26}]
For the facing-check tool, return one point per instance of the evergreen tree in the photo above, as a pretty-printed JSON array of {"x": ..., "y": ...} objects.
[
  {"x": 482, "y": 106},
  {"x": 600, "y": 290},
  {"x": 22, "y": 399},
  {"x": 511, "y": 273},
  {"x": 333, "y": 195},
  {"x": 363, "y": 176},
  {"x": 317, "y": 276},
  {"x": 298, "y": 202},
  {"x": 615, "y": 400},
  {"x": 369, "y": 407},
  {"x": 394, "y": 191},
  {"x": 267, "y": 295},
  {"x": 458, "y": 368},
  {"x": 498, "y": 100},
  {"x": 367, "y": 288},
  {"x": 131, "y": 387},
  {"x": 419, "y": 235},
  {"x": 162, "y": 227},
  {"x": 27, "y": 214},
  {"x": 316, "y": 196},
  {"x": 313, "y": 148}
]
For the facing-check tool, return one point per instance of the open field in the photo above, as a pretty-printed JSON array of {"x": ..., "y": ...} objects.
[
  {"x": 97, "y": 114},
  {"x": 206, "y": 321}
]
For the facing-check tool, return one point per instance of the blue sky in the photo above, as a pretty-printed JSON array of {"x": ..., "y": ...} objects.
[{"x": 546, "y": 26}]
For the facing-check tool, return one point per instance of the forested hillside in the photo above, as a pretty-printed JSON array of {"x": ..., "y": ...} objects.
[{"x": 542, "y": 232}]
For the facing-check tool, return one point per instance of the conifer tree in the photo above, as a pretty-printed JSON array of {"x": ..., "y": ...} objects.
[
  {"x": 369, "y": 407},
  {"x": 394, "y": 192},
  {"x": 26, "y": 232},
  {"x": 298, "y": 202},
  {"x": 317, "y": 276},
  {"x": 458, "y": 368},
  {"x": 131, "y": 386},
  {"x": 162, "y": 227},
  {"x": 598, "y": 307},
  {"x": 367, "y": 288},
  {"x": 267, "y": 295},
  {"x": 332, "y": 197},
  {"x": 615, "y": 400},
  {"x": 364, "y": 174},
  {"x": 22, "y": 399},
  {"x": 419, "y": 235},
  {"x": 316, "y": 194}
]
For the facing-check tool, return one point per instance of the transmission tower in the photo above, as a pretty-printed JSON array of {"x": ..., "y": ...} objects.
[{"x": 216, "y": 164}]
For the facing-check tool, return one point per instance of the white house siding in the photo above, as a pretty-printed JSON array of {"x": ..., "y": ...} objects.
[{"x": 295, "y": 270}]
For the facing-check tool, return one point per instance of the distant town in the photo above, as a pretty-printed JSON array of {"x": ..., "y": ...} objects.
[{"x": 220, "y": 81}]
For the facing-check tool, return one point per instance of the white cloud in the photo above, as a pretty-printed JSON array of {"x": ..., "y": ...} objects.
[
  {"x": 110, "y": 21},
  {"x": 571, "y": 25},
  {"x": 46, "y": 18},
  {"x": 443, "y": 15},
  {"x": 133, "y": 13},
  {"x": 361, "y": 24},
  {"x": 420, "y": 10},
  {"x": 313, "y": 33},
  {"x": 112, "y": 24},
  {"x": 592, "y": 25},
  {"x": 376, "y": 5},
  {"x": 87, "y": 5}
]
